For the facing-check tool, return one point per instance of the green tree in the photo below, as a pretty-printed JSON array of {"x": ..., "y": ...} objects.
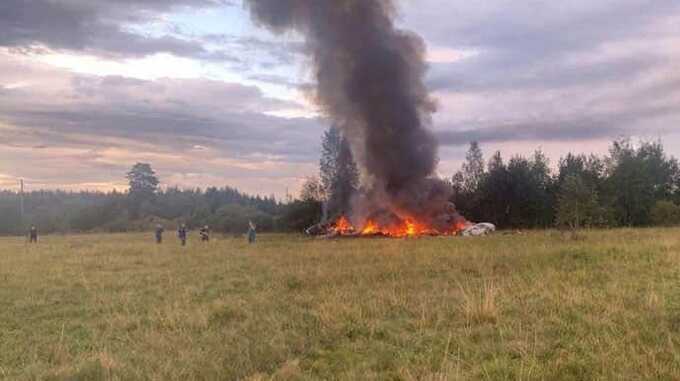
[
  {"x": 518, "y": 194},
  {"x": 638, "y": 178},
  {"x": 338, "y": 172},
  {"x": 468, "y": 179},
  {"x": 542, "y": 185},
  {"x": 466, "y": 182},
  {"x": 577, "y": 204},
  {"x": 143, "y": 187},
  {"x": 591, "y": 169},
  {"x": 495, "y": 192},
  {"x": 527, "y": 190}
]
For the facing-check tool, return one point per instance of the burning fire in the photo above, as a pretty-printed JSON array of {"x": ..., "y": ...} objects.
[
  {"x": 403, "y": 229},
  {"x": 343, "y": 226},
  {"x": 370, "y": 228}
]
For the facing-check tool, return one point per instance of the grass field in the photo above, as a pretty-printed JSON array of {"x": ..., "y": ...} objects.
[{"x": 604, "y": 305}]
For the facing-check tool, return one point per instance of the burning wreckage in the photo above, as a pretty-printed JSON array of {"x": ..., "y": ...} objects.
[
  {"x": 370, "y": 84},
  {"x": 422, "y": 210},
  {"x": 342, "y": 227}
]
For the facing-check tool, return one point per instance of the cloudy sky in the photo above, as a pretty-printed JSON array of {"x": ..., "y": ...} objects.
[{"x": 89, "y": 87}]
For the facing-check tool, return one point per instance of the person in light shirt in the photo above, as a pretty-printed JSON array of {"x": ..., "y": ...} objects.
[{"x": 252, "y": 232}]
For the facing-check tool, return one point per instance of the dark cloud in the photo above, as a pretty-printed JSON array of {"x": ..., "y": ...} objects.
[
  {"x": 569, "y": 130},
  {"x": 534, "y": 28},
  {"x": 552, "y": 71},
  {"x": 538, "y": 44},
  {"x": 180, "y": 114},
  {"x": 578, "y": 128},
  {"x": 98, "y": 26},
  {"x": 236, "y": 135},
  {"x": 489, "y": 72}
]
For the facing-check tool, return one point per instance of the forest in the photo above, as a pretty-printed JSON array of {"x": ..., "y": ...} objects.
[{"x": 635, "y": 184}]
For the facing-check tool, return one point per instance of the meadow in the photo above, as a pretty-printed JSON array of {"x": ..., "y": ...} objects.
[{"x": 536, "y": 306}]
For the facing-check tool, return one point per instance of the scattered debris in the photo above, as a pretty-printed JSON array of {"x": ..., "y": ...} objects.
[
  {"x": 477, "y": 230},
  {"x": 342, "y": 228}
]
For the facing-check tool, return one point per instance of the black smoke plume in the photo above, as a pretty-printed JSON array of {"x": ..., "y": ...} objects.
[{"x": 370, "y": 83}]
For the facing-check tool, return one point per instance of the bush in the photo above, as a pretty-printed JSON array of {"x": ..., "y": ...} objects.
[
  {"x": 665, "y": 213},
  {"x": 300, "y": 215}
]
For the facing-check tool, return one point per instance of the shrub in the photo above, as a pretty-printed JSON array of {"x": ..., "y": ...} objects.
[
  {"x": 300, "y": 215},
  {"x": 665, "y": 213}
]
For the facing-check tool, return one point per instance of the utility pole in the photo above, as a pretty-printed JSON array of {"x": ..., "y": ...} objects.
[{"x": 21, "y": 200}]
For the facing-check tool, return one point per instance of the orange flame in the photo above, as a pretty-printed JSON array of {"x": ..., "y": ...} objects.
[
  {"x": 343, "y": 226},
  {"x": 411, "y": 229},
  {"x": 406, "y": 228},
  {"x": 370, "y": 228}
]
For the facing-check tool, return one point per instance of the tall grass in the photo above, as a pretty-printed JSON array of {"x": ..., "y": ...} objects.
[{"x": 537, "y": 306}]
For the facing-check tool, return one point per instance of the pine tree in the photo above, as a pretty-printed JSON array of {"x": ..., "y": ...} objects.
[
  {"x": 466, "y": 182},
  {"x": 473, "y": 168},
  {"x": 143, "y": 187},
  {"x": 338, "y": 172},
  {"x": 495, "y": 192}
]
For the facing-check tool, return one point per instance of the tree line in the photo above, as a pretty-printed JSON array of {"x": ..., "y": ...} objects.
[
  {"x": 633, "y": 185},
  {"x": 224, "y": 209}
]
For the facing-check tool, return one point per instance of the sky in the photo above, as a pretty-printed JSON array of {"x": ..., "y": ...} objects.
[{"x": 90, "y": 87}]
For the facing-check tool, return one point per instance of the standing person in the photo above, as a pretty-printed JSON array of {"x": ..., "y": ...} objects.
[
  {"x": 251, "y": 232},
  {"x": 182, "y": 234},
  {"x": 159, "y": 233},
  {"x": 205, "y": 233},
  {"x": 33, "y": 234}
]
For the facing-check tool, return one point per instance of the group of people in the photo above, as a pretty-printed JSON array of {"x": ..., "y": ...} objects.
[
  {"x": 204, "y": 232},
  {"x": 182, "y": 233}
]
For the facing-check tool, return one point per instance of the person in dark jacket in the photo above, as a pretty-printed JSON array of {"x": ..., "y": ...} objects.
[
  {"x": 159, "y": 233},
  {"x": 182, "y": 234},
  {"x": 33, "y": 234}
]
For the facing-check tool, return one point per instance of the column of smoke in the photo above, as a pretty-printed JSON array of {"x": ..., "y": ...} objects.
[{"x": 370, "y": 83}]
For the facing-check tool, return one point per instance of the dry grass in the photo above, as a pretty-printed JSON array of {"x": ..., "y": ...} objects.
[{"x": 538, "y": 306}]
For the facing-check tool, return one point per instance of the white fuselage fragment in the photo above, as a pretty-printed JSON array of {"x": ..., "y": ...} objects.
[{"x": 477, "y": 230}]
